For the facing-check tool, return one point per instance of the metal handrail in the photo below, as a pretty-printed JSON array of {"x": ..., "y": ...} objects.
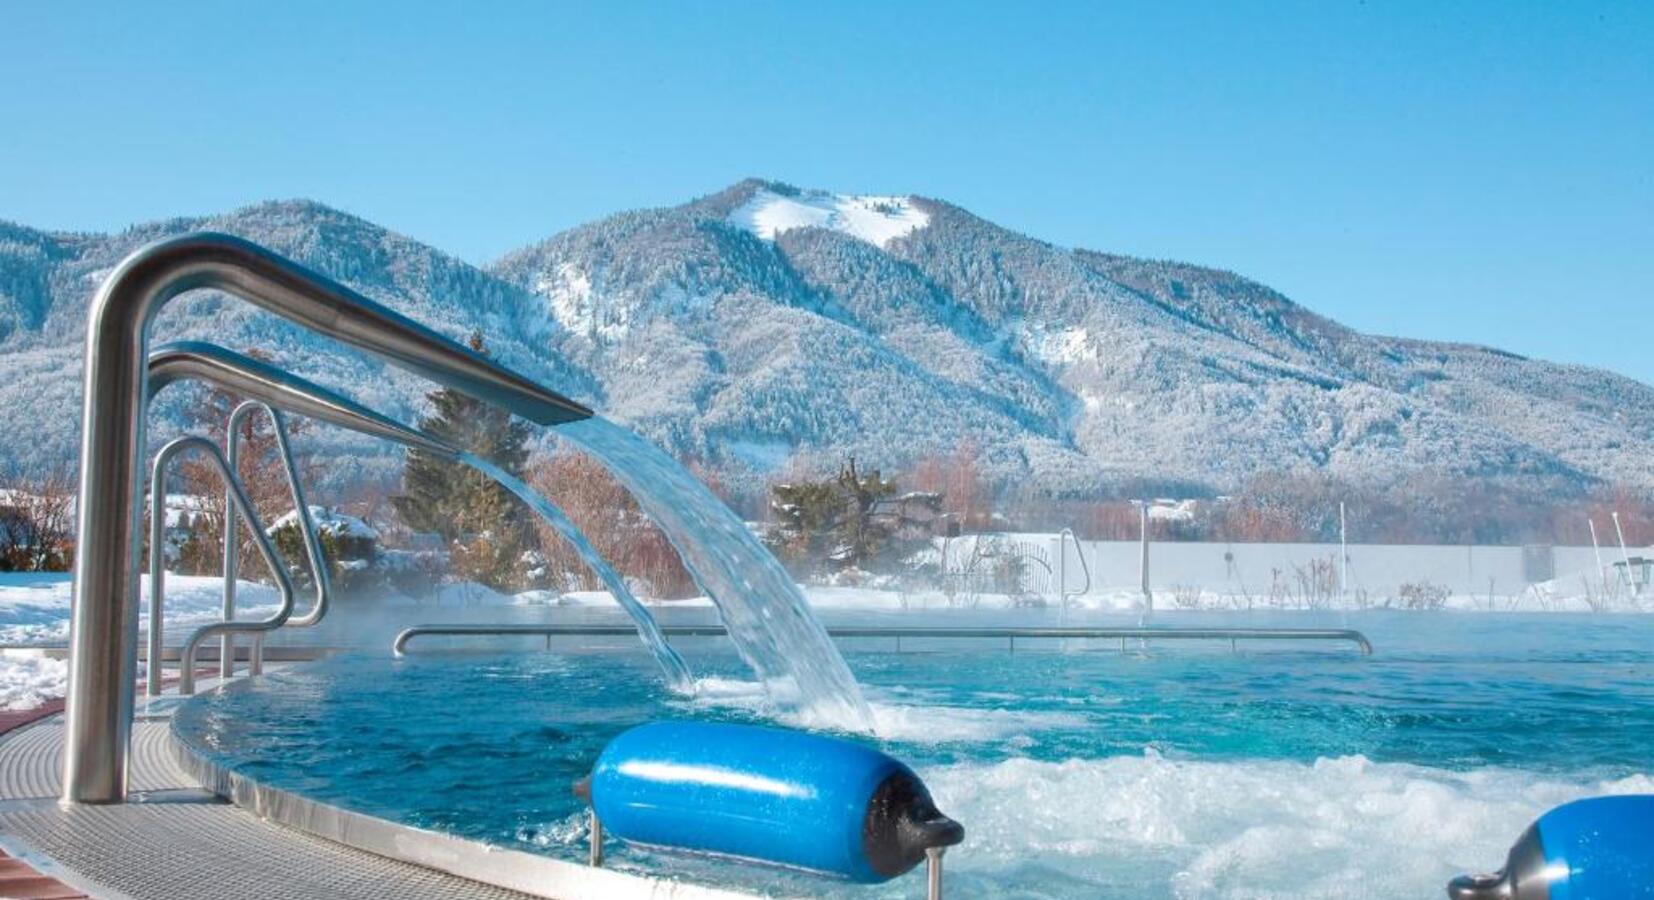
[
  {"x": 270, "y": 386},
  {"x": 240, "y": 503},
  {"x": 273, "y": 389},
  {"x": 1063, "y": 593},
  {"x": 232, "y": 548},
  {"x": 400, "y": 644},
  {"x": 103, "y": 622},
  {"x": 255, "y": 379}
]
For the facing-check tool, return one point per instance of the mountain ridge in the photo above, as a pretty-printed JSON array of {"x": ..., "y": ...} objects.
[{"x": 765, "y": 327}]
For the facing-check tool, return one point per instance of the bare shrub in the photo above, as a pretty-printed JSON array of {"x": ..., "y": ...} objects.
[
  {"x": 1317, "y": 582},
  {"x": 1279, "y": 591},
  {"x": 1186, "y": 596},
  {"x": 614, "y": 523},
  {"x": 37, "y": 525},
  {"x": 967, "y": 498},
  {"x": 1422, "y": 595}
]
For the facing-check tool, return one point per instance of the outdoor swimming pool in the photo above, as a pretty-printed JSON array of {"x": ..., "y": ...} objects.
[{"x": 1166, "y": 771}]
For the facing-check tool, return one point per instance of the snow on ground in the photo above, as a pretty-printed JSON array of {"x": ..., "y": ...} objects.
[
  {"x": 1102, "y": 600},
  {"x": 28, "y": 679},
  {"x": 34, "y": 606},
  {"x": 876, "y": 220},
  {"x": 34, "y": 609}
]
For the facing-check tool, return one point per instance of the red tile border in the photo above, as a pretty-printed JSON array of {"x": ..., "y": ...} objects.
[
  {"x": 19, "y": 881},
  {"x": 13, "y": 719}
]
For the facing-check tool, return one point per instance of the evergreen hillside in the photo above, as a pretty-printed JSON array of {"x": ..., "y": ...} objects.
[{"x": 764, "y": 327}]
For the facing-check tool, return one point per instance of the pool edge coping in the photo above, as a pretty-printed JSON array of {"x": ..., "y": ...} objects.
[{"x": 517, "y": 870}]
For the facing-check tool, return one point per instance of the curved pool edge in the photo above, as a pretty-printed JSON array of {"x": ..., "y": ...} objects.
[{"x": 539, "y": 876}]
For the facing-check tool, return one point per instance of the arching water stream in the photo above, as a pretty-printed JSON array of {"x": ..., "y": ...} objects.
[
  {"x": 677, "y": 672},
  {"x": 769, "y": 622}
]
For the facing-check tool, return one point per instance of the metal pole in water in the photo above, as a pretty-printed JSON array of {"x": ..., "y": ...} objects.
[
  {"x": 1143, "y": 563},
  {"x": 157, "y": 582},
  {"x": 596, "y": 857},
  {"x": 232, "y": 549},
  {"x": 1343, "y": 556},
  {"x": 1620, "y": 532},
  {"x": 1062, "y": 581},
  {"x": 1602, "y": 573},
  {"x": 933, "y": 873}
]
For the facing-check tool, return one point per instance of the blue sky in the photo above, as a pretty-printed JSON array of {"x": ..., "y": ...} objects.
[{"x": 1464, "y": 171}]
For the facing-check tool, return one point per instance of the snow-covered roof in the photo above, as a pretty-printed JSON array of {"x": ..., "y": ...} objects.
[
  {"x": 21, "y": 499},
  {"x": 1165, "y": 510}
]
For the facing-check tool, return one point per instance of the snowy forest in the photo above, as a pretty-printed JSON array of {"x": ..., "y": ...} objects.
[{"x": 768, "y": 335}]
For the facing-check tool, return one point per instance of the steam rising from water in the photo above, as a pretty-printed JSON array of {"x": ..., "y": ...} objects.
[
  {"x": 769, "y": 623},
  {"x": 677, "y": 672}
]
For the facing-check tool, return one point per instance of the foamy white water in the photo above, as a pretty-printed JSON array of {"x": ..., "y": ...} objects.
[
  {"x": 671, "y": 664},
  {"x": 1149, "y": 826},
  {"x": 770, "y": 625},
  {"x": 892, "y": 719}
]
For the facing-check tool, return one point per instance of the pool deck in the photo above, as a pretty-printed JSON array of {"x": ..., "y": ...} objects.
[{"x": 174, "y": 839}]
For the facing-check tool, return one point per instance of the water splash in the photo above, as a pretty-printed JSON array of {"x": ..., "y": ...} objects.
[
  {"x": 769, "y": 623},
  {"x": 677, "y": 672}
]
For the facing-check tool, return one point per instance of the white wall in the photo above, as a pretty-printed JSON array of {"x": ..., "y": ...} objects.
[{"x": 1378, "y": 569}]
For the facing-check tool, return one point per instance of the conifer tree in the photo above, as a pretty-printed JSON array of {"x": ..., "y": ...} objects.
[
  {"x": 855, "y": 520},
  {"x": 484, "y": 526}
]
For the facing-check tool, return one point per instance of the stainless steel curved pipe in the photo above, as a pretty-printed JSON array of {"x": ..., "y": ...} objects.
[
  {"x": 272, "y": 389},
  {"x": 232, "y": 547},
  {"x": 257, "y": 380},
  {"x": 104, "y": 618},
  {"x": 239, "y": 503}
]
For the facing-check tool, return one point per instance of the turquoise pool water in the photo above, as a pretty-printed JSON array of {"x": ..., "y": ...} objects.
[{"x": 1166, "y": 771}]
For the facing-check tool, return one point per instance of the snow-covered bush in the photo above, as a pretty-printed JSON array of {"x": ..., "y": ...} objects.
[{"x": 349, "y": 545}]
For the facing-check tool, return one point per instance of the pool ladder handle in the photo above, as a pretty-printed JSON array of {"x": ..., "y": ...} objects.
[
  {"x": 239, "y": 503},
  {"x": 225, "y": 463},
  {"x": 307, "y": 535},
  {"x": 1064, "y": 595},
  {"x": 275, "y": 392}
]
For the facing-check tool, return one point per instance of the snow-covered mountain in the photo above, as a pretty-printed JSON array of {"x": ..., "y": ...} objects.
[
  {"x": 765, "y": 326},
  {"x": 47, "y": 280}
]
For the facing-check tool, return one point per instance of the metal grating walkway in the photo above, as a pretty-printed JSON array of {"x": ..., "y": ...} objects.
[
  {"x": 29, "y": 761},
  {"x": 184, "y": 842},
  {"x": 213, "y": 851}
]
